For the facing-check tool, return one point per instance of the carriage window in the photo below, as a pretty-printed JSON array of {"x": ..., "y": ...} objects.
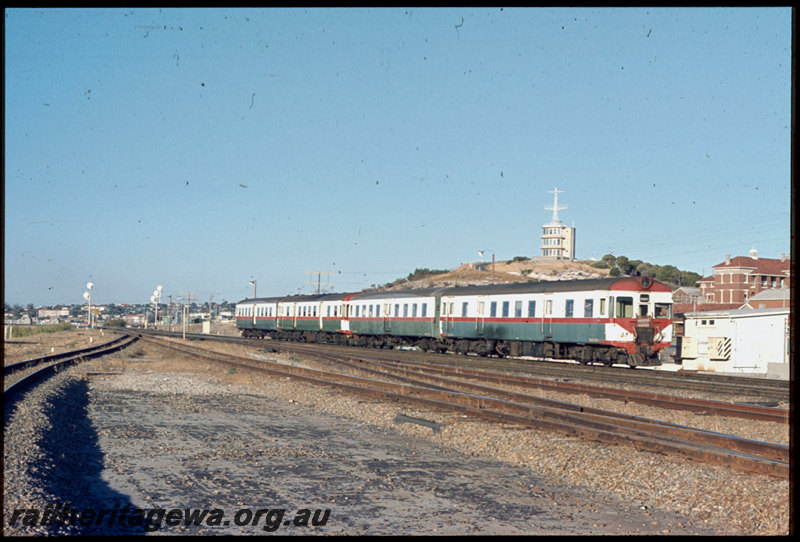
[
  {"x": 405, "y": 310},
  {"x": 414, "y": 310},
  {"x": 378, "y": 310},
  {"x": 518, "y": 309},
  {"x": 480, "y": 308},
  {"x": 464, "y": 309},
  {"x": 424, "y": 310},
  {"x": 663, "y": 310},
  {"x": 643, "y": 309},
  {"x": 602, "y": 306},
  {"x": 548, "y": 307},
  {"x": 505, "y": 309},
  {"x": 531, "y": 309},
  {"x": 588, "y": 308},
  {"x": 493, "y": 309},
  {"x": 624, "y": 307},
  {"x": 569, "y": 307}
]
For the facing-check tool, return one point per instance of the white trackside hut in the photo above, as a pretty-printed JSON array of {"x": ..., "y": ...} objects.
[{"x": 737, "y": 341}]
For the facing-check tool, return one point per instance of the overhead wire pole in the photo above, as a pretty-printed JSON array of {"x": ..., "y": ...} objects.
[
  {"x": 211, "y": 306},
  {"x": 186, "y": 309},
  {"x": 319, "y": 279}
]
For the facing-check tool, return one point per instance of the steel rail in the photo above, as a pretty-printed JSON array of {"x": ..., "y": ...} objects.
[
  {"x": 12, "y": 368},
  {"x": 707, "y": 406},
  {"x": 723, "y": 384},
  {"x": 775, "y": 451},
  {"x": 591, "y": 426},
  {"x": 49, "y": 365},
  {"x": 662, "y": 400}
]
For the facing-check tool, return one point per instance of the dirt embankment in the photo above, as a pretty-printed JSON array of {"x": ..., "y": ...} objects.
[{"x": 534, "y": 269}]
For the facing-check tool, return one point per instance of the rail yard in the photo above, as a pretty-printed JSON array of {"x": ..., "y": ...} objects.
[{"x": 396, "y": 442}]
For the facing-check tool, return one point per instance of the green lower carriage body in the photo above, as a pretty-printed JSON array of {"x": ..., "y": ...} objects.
[
  {"x": 394, "y": 327},
  {"x": 529, "y": 330}
]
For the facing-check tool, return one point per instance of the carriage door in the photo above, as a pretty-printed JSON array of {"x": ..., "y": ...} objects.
[
  {"x": 547, "y": 318},
  {"x": 387, "y": 321},
  {"x": 345, "y": 317},
  {"x": 446, "y": 315},
  {"x": 480, "y": 316}
]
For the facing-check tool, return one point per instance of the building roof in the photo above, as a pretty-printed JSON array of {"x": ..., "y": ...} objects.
[
  {"x": 742, "y": 312},
  {"x": 689, "y": 290},
  {"x": 772, "y": 294},
  {"x": 764, "y": 266}
]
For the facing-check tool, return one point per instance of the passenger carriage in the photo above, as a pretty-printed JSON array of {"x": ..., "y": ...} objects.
[
  {"x": 607, "y": 320},
  {"x": 624, "y": 320}
]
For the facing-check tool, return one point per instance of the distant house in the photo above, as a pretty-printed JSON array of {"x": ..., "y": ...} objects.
[
  {"x": 52, "y": 315},
  {"x": 687, "y": 295},
  {"x": 769, "y": 299},
  {"x": 134, "y": 320},
  {"x": 736, "y": 280}
]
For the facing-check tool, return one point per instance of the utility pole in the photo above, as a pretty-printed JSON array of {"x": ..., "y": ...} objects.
[
  {"x": 187, "y": 308},
  {"x": 319, "y": 279}
]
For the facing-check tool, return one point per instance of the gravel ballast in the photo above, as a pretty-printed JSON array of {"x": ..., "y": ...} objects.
[{"x": 161, "y": 436}]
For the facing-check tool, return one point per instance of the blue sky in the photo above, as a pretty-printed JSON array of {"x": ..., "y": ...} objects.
[{"x": 199, "y": 149}]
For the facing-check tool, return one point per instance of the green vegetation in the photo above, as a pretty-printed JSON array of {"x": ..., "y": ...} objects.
[
  {"x": 621, "y": 265},
  {"x": 27, "y": 331},
  {"x": 418, "y": 274},
  {"x": 116, "y": 322}
]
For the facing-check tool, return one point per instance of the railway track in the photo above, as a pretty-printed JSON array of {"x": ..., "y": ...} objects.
[
  {"x": 482, "y": 401},
  {"x": 422, "y": 370},
  {"x": 21, "y": 376},
  {"x": 763, "y": 391}
]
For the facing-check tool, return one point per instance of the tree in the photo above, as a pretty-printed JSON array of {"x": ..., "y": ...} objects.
[
  {"x": 669, "y": 273},
  {"x": 610, "y": 260},
  {"x": 624, "y": 265}
]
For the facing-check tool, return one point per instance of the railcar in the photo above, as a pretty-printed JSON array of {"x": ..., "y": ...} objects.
[{"x": 615, "y": 320}]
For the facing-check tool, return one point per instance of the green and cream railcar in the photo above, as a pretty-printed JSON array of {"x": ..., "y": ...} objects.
[
  {"x": 257, "y": 317},
  {"x": 623, "y": 320},
  {"x": 393, "y": 318}
]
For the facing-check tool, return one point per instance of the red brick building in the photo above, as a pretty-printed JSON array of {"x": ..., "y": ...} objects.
[{"x": 737, "y": 279}]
